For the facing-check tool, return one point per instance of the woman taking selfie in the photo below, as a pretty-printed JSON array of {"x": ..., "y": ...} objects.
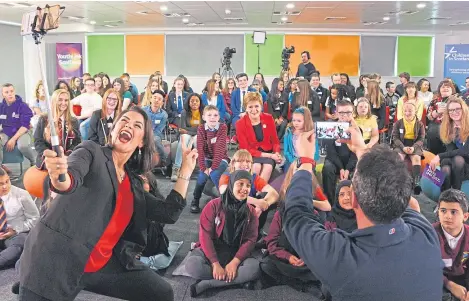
[{"x": 97, "y": 223}]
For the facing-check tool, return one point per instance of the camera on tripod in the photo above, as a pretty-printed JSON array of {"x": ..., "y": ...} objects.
[
  {"x": 227, "y": 56},
  {"x": 286, "y": 52}
]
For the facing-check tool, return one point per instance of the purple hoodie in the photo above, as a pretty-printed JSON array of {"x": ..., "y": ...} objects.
[{"x": 14, "y": 116}]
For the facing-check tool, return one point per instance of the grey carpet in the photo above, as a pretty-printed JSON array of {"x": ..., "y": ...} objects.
[{"x": 186, "y": 229}]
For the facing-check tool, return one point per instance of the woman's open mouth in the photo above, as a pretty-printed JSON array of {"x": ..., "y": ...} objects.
[{"x": 125, "y": 136}]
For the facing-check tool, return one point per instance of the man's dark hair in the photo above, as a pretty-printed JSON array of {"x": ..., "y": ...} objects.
[
  {"x": 126, "y": 74},
  {"x": 242, "y": 75},
  {"x": 316, "y": 74},
  {"x": 389, "y": 84},
  {"x": 86, "y": 73},
  {"x": 382, "y": 185},
  {"x": 454, "y": 196},
  {"x": 406, "y": 75},
  {"x": 2, "y": 172},
  {"x": 467, "y": 77},
  {"x": 7, "y": 85},
  {"x": 307, "y": 54}
]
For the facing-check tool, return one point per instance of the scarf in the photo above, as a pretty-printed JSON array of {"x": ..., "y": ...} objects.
[
  {"x": 236, "y": 211},
  {"x": 344, "y": 219}
]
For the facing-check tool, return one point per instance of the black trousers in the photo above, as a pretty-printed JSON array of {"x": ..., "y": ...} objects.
[
  {"x": 114, "y": 281},
  {"x": 329, "y": 179},
  {"x": 434, "y": 144},
  {"x": 285, "y": 273}
]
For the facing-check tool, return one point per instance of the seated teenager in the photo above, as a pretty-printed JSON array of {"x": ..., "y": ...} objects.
[
  {"x": 410, "y": 94},
  {"x": 376, "y": 98},
  {"x": 213, "y": 153},
  {"x": 361, "y": 89},
  {"x": 214, "y": 97},
  {"x": 89, "y": 101},
  {"x": 317, "y": 87},
  {"x": 158, "y": 118},
  {"x": 129, "y": 87},
  {"x": 342, "y": 215},
  {"x": 336, "y": 93},
  {"x": 98, "y": 84},
  {"x": 345, "y": 81},
  {"x": 152, "y": 86},
  {"x": 408, "y": 139},
  {"x": 260, "y": 78},
  {"x": 18, "y": 215},
  {"x": 119, "y": 87},
  {"x": 175, "y": 102},
  {"x": 283, "y": 265},
  {"x": 191, "y": 118},
  {"x": 15, "y": 119},
  {"x": 257, "y": 134},
  {"x": 38, "y": 106},
  {"x": 390, "y": 99},
  {"x": 454, "y": 132},
  {"x": 237, "y": 98},
  {"x": 257, "y": 87},
  {"x": 75, "y": 85},
  {"x": 301, "y": 122},
  {"x": 436, "y": 109},
  {"x": 227, "y": 236},
  {"x": 340, "y": 160},
  {"x": 291, "y": 89},
  {"x": 454, "y": 241},
  {"x": 230, "y": 87},
  {"x": 66, "y": 126},
  {"x": 277, "y": 104},
  {"x": 367, "y": 122},
  {"x": 101, "y": 120},
  {"x": 307, "y": 98},
  {"x": 187, "y": 87},
  {"x": 262, "y": 196},
  {"x": 424, "y": 91}
]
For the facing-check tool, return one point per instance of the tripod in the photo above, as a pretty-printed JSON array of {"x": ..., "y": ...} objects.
[
  {"x": 227, "y": 73},
  {"x": 286, "y": 68}
]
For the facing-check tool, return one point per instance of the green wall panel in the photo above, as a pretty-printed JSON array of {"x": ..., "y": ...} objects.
[
  {"x": 106, "y": 54},
  {"x": 270, "y": 59},
  {"x": 414, "y": 55}
]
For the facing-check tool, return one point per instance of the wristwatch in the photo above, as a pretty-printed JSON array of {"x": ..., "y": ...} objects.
[{"x": 302, "y": 160}]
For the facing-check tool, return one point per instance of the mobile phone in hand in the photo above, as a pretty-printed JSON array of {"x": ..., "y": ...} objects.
[{"x": 332, "y": 130}]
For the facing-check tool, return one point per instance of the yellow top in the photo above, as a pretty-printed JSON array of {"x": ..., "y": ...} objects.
[
  {"x": 195, "y": 120},
  {"x": 418, "y": 108},
  {"x": 367, "y": 125},
  {"x": 409, "y": 129}
]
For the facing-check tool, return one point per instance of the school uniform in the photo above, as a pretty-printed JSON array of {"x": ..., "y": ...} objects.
[
  {"x": 100, "y": 127},
  {"x": 220, "y": 104},
  {"x": 401, "y": 137},
  {"x": 175, "y": 106},
  {"x": 237, "y": 103},
  {"x": 434, "y": 143},
  {"x": 458, "y": 172},
  {"x": 323, "y": 93},
  {"x": 277, "y": 106},
  {"x": 158, "y": 120}
]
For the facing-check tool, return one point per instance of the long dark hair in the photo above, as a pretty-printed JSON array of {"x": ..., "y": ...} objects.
[
  {"x": 187, "y": 106},
  {"x": 140, "y": 163},
  {"x": 121, "y": 82},
  {"x": 57, "y": 87}
]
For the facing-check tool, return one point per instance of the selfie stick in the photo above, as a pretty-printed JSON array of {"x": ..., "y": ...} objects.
[{"x": 38, "y": 35}]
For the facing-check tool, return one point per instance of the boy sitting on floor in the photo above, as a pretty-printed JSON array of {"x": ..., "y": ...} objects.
[{"x": 454, "y": 242}]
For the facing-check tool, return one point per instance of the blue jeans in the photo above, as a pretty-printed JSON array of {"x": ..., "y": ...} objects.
[
  {"x": 84, "y": 129},
  {"x": 178, "y": 159},
  {"x": 215, "y": 176}
]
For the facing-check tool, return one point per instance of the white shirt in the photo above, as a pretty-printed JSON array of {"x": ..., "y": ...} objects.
[
  {"x": 452, "y": 241},
  {"x": 88, "y": 102},
  {"x": 213, "y": 101},
  {"x": 426, "y": 97},
  {"x": 21, "y": 211}
]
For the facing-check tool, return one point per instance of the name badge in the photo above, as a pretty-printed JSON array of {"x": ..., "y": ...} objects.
[
  {"x": 310, "y": 102},
  {"x": 277, "y": 108},
  {"x": 401, "y": 131},
  {"x": 217, "y": 220},
  {"x": 109, "y": 124},
  {"x": 157, "y": 121},
  {"x": 3, "y": 116},
  {"x": 196, "y": 121},
  {"x": 15, "y": 115},
  {"x": 213, "y": 140},
  {"x": 448, "y": 262}
]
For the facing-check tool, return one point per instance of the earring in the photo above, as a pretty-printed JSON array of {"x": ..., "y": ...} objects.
[{"x": 139, "y": 151}]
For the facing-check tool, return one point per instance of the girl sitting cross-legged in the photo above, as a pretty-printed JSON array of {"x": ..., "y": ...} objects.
[{"x": 227, "y": 236}]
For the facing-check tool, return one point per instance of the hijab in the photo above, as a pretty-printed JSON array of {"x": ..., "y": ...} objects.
[
  {"x": 344, "y": 219},
  {"x": 236, "y": 211}
]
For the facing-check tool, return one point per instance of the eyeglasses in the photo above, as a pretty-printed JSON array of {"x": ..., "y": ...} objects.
[
  {"x": 343, "y": 114},
  {"x": 89, "y": 85},
  {"x": 455, "y": 111},
  {"x": 112, "y": 98}
]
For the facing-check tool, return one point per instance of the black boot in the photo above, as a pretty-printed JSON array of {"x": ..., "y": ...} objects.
[
  {"x": 15, "y": 289},
  {"x": 195, "y": 206},
  {"x": 417, "y": 188}
]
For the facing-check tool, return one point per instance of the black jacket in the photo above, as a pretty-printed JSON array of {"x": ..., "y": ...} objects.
[
  {"x": 281, "y": 109},
  {"x": 69, "y": 141},
  {"x": 58, "y": 248},
  {"x": 305, "y": 70},
  {"x": 323, "y": 93},
  {"x": 341, "y": 156},
  {"x": 99, "y": 130},
  {"x": 313, "y": 104}
]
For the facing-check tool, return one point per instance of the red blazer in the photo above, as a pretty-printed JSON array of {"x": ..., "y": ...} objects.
[
  {"x": 212, "y": 222},
  {"x": 247, "y": 137}
]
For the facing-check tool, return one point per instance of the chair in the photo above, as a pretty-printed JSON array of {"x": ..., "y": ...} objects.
[
  {"x": 385, "y": 129},
  {"x": 266, "y": 107},
  {"x": 424, "y": 117},
  {"x": 76, "y": 110},
  {"x": 173, "y": 129},
  {"x": 289, "y": 111},
  {"x": 15, "y": 156}
]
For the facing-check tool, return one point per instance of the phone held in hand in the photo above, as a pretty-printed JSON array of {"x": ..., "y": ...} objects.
[{"x": 332, "y": 130}]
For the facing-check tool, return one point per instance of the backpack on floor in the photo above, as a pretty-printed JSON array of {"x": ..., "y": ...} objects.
[{"x": 157, "y": 241}]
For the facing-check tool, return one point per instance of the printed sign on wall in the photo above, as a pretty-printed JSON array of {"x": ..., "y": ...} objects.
[
  {"x": 69, "y": 60},
  {"x": 457, "y": 63}
]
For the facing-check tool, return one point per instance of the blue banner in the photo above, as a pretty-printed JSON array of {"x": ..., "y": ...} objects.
[{"x": 457, "y": 63}]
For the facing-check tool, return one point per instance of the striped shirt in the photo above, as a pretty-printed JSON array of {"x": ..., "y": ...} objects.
[{"x": 211, "y": 144}]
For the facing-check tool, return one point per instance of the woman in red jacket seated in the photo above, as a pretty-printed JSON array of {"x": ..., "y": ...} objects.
[
  {"x": 256, "y": 132},
  {"x": 227, "y": 235}
]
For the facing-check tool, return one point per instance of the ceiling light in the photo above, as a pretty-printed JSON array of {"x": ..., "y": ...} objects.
[
  {"x": 227, "y": 12},
  {"x": 234, "y": 19},
  {"x": 185, "y": 20},
  {"x": 334, "y": 18},
  {"x": 142, "y": 13},
  {"x": 386, "y": 18},
  {"x": 284, "y": 19},
  {"x": 92, "y": 22},
  {"x": 421, "y": 5},
  {"x": 286, "y": 13},
  {"x": 290, "y": 5},
  {"x": 75, "y": 18},
  {"x": 10, "y": 23},
  {"x": 109, "y": 25},
  {"x": 163, "y": 8}
]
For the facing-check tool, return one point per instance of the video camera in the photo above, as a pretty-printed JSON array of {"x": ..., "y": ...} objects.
[
  {"x": 227, "y": 56},
  {"x": 286, "y": 52}
]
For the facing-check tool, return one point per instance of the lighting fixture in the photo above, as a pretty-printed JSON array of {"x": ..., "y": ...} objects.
[
  {"x": 421, "y": 5},
  {"x": 386, "y": 18},
  {"x": 227, "y": 12},
  {"x": 92, "y": 22},
  {"x": 334, "y": 18},
  {"x": 142, "y": 13},
  {"x": 284, "y": 19},
  {"x": 290, "y": 5},
  {"x": 75, "y": 18},
  {"x": 109, "y": 25},
  {"x": 163, "y": 8},
  {"x": 233, "y": 19},
  {"x": 185, "y": 20}
]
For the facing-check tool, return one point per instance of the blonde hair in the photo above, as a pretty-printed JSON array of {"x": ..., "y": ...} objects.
[
  {"x": 210, "y": 108},
  {"x": 36, "y": 90},
  {"x": 360, "y": 100},
  {"x": 308, "y": 119},
  {"x": 240, "y": 155},
  {"x": 211, "y": 83},
  {"x": 147, "y": 95},
  {"x": 251, "y": 97},
  {"x": 55, "y": 108},
  {"x": 374, "y": 93},
  {"x": 287, "y": 180},
  {"x": 447, "y": 133},
  {"x": 104, "y": 104}
]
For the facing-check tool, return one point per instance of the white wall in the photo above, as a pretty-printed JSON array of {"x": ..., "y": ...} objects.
[{"x": 11, "y": 58}]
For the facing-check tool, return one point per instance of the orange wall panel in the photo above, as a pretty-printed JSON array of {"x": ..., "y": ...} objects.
[
  {"x": 144, "y": 54},
  {"x": 330, "y": 54}
]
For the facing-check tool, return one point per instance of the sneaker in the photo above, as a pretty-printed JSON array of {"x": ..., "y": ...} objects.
[
  {"x": 195, "y": 208},
  {"x": 175, "y": 174}
]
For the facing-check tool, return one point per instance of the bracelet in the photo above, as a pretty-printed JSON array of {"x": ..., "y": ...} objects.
[{"x": 184, "y": 178}]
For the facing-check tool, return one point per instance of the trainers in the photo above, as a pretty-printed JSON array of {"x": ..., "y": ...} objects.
[{"x": 175, "y": 174}]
